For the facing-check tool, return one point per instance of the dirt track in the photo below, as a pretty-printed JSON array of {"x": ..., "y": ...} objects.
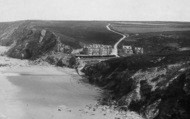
[{"x": 115, "y": 49}]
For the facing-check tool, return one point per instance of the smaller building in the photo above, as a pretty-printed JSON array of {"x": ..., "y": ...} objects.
[
  {"x": 128, "y": 50},
  {"x": 139, "y": 50}
]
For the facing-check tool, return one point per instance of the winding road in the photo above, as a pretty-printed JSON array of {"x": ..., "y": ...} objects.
[{"x": 115, "y": 49}]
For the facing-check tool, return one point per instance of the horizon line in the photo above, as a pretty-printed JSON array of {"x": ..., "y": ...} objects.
[{"x": 96, "y": 20}]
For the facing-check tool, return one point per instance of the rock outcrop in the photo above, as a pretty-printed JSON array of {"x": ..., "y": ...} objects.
[
  {"x": 156, "y": 86},
  {"x": 33, "y": 44},
  {"x": 27, "y": 41},
  {"x": 58, "y": 59}
]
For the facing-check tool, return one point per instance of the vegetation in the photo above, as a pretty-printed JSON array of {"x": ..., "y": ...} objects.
[
  {"x": 155, "y": 37},
  {"x": 81, "y": 31},
  {"x": 156, "y": 86},
  {"x": 72, "y": 33},
  {"x": 150, "y": 27}
]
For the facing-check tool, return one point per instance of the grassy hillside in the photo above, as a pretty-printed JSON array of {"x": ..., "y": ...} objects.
[
  {"x": 155, "y": 37},
  {"x": 73, "y": 33},
  {"x": 81, "y": 31},
  {"x": 152, "y": 36},
  {"x": 31, "y": 39},
  {"x": 156, "y": 86},
  {"x": 150, "y": 27},
  {"x": 8, "y": 32}
]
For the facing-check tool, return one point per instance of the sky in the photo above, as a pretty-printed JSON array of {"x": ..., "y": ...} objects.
[{"x": 122, "y": 10}]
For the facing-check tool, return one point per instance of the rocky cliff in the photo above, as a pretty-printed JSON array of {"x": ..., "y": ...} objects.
[
  {"x": 156, "y": 86},
  {"x": 27, "y": 41},
  {"x": 32, "y": 44}
]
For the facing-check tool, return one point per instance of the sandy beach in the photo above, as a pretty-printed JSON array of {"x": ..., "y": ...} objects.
[
  {"x": 43, "y": 92},
  {"x": 30, "y": 91}
]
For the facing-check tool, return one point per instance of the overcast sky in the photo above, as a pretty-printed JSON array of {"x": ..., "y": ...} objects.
[{"x": 129, "y": 10}]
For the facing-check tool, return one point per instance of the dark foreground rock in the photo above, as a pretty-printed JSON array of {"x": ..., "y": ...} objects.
[{"x": 156, "y": 86}]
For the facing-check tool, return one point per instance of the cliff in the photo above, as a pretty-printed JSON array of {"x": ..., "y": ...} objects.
[
  {"x": 26, "y": 41},
  {"x": 156, "y": 86},
  {"x": 32, "y": 44},
  {"x": 33, "y": 39}
]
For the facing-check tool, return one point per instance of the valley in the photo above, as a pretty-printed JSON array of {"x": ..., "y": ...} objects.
[{"x": 94, "y": 69}]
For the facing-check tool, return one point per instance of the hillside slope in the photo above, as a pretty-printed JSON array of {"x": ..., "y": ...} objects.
[
  {"x": 156, "y": 86},
  {"x": 154, "y": 36},
  {"x": 8, "y": 32},
  {"x": 151, "y": 36},
  {"x": 73, "y": 33},
  {"x": 32, "y": 39}
]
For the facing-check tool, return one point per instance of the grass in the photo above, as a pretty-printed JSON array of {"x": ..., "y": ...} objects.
[
  {"x": 147, "y": 27},
  {"x": 73, "y": 33},
  {"x": 80, "y": 31},
  {"x": 152, "y": 36},
  {"x": 155, "y": 36}
]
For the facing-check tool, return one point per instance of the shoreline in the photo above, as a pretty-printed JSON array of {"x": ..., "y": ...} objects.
[
  {"x": 49, "y": 92},
  {"x": 30, "y": 90}
]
